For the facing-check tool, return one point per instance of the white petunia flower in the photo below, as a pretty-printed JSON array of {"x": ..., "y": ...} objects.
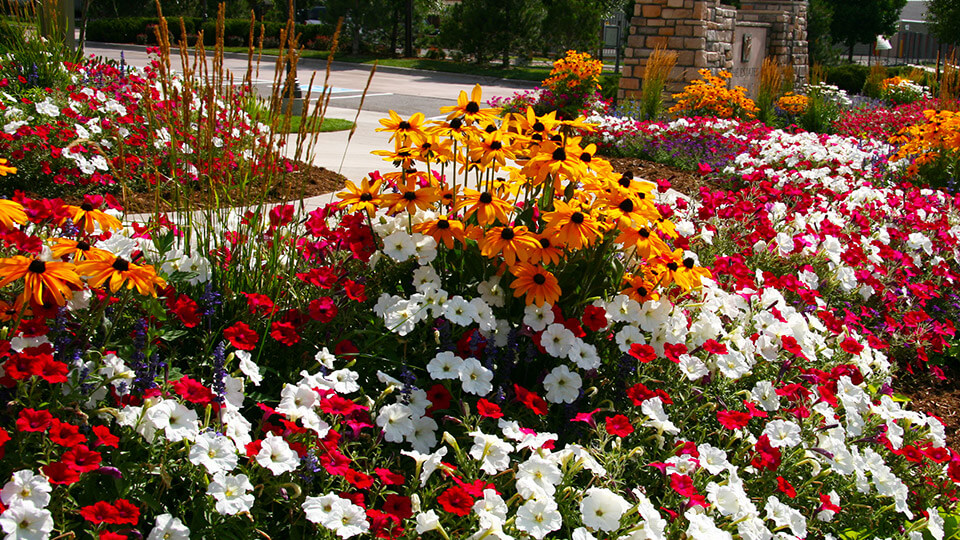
[
  {"x": 782, "y": 433},
  {"x": 557, "y": 340},
  {"x": 459, "y": 311},
  {"x": 491, "y": 451},
  {"x": 602, "y": 509},
  {"x": 276, "y": 455},
  {"x": 25, "y": 521},
  {"x": 475, "y": 378},
  {"x": 232, "y": 493},
  {"x": 168, "y": 527},
  {"x": 562, "y": 385},
  {"x": 214, "y": 452},
  {"x": 445, "y": 365},
  {"x": 396, "y": 420},
  {"x": 538, "y": 517},
  {"x": 248, "y": 367},
  {"x": 25, "y": 486},
  {"x": 538, "y": 317}
]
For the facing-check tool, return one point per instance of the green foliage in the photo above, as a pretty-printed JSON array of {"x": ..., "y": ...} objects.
[
  {"x": 944, "y": 19},
  {"x": 494, "y": 29},
  {"x": 820, "y": 45},
  {"x": 849, "y": 77},
  {"x": 862, "y": 21},
  {"x": 38, "y": 60}
]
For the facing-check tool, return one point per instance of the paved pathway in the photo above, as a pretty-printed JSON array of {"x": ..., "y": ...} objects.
[{"x": 404, "y": 90}]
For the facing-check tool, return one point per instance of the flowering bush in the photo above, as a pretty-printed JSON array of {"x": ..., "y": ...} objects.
[
  {"x": 793, "y": 104},
  {"x": 709, "y": 96},
  {"x": 879, "y": 122},
  {"x": 931, "y": 149},
  {"x": 572, "y": 89},
  {"x": 900, "y": 91}
]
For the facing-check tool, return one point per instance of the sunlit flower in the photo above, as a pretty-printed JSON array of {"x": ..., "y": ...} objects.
[
  {"x": 512, "y": 243},
  {"x": 410, "y": 197},
  {"x": 443, "y": 229},
  {"x": 55, "y": 278},
  {"x": 539, "y": 286},
  {"x": 404, "y": 130},
  {"x": 487, "y": 205},
  {"x": 469, "y": 108},
  {"x": 571, "y": 226},
  {"x": 116, "y": 271},
  {"x": 87, "y": 215},
  {"x": 11, "y": 212},
  {"x": 364, "y": 198}
]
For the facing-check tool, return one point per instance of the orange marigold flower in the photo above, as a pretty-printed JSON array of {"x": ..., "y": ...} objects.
[
  {"x": 116, "y": 271},
  {"x": 53, "y": 277},
  {"x": 538, "y": 285}
]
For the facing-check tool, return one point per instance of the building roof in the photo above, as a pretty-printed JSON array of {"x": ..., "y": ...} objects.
[{"x": 915, "y": 10}]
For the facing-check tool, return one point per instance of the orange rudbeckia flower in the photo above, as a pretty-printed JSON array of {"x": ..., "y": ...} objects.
[
  {"x": 512, "y": 243},
  {"x": 443, "y": 229},
  {"x": 116, "y": 271},
  {"x": 11, "y": 212},
  {"x": 366, "y": 197},
  {"x": 40, "y": 277},
  {"x": 571, "y": 226},
  {"x": 410, "y": 197},
  {"x": 86, "y": 215},
  {"x": 469, "y": 108},
  {"x": 537, "y": 284},
  {"x": 488, "y": 207}
]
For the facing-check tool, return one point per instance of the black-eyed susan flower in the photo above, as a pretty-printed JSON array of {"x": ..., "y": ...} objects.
[
  {"x": 488, "y": 207},
  {"x": 11, "y": 212},
  {"x": 536, "y": 284},
  {"x": 572, "y": 226},
  {"x": 410, "y": 197},
  {"x": 546, "y": 252},
  {"x": 512, "y": 243},
  {"x": 557, "y": 159},
  {"x": 78, "y": 250},
  {"x": 494, "y": 148},
  {"x": 639, "y": 288},
  {"x": 404, "y": 130},
  {"x": 6, "y": 169},
  {"x": 88, "y": 214},
  {"x": 627, "y": 210},
  {"x": 538, "y": 128},
  {"x": 402, "y": 156},
  {"x": 469, "y": 108},
  {"x": 444, "y": 230},
  {"x": 115, "y": 271},
  {"x": 41, "y": 277},
  {"x": 365, "y": 198},
  {"x": 645, "y": 240}
]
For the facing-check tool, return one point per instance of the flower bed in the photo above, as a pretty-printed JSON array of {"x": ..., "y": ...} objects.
[{"x": 500, "y": 339}]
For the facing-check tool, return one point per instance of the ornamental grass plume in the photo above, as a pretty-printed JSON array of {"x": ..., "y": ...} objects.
[
  {"x": 768, "y": 89},
  {"x": 655, "y": 76}
]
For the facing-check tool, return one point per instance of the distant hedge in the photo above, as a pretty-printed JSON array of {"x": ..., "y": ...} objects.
[{"x": 236, "y": 31}]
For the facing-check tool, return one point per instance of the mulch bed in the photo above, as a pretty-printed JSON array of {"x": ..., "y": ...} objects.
[{"x": 307, "y": 181}]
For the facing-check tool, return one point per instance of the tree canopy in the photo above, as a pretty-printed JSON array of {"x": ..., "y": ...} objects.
[
  {"x": 944, "y": 19},
  {"x": 862, "y": 21}
]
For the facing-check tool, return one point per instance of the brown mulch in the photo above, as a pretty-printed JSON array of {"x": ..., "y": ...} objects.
[
  {"x": 931, "y": 395},
  {"x": 686, "y": 182},
  {"x": 306, "y": 181}
]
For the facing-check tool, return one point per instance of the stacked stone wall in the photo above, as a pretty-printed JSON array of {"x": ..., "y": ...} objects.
[{"x": 701, "y": 32}]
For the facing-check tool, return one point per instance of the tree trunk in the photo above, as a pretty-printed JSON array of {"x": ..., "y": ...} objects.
[
  {"x": 395, "y": 29},
  {"x": 85, "y": 10},
  {"x": 850, "y": 54},
  {"x": 505, "y": 58}
]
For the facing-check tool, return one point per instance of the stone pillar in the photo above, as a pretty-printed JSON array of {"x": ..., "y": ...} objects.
[{"x": 787, "y": 40}]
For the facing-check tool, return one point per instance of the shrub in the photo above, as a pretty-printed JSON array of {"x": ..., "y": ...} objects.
[
  {"x": 710, "y": 96},
  {"x": 847, "y": 77}
]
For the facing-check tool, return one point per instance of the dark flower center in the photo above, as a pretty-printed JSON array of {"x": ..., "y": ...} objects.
[
  {"x": 404, "y": 126},
  {"x": 545, "y": 243},
  {"x": 539, "y": 279},
  {"x": 490, "y": 128},
  {"x": 585, "y": 157},
  {"x": 642, "y": 291},
  {"x": 626, "y": 206},
  {"x": 507, "y": 233},
  {"x": 538, "y": 126},
  {"x": 472, "y": 108},
  {"x": 426, "y": 146},
  {"x": 536, "y": 137},
  {"x": 557, "y": 138},
  {"x": 366, "y": 197},
  {"x": 577, "y": 217},
  {"x": 496, "y": 145},
  {"x": 83, "y": 245},
  {"x": 641, "y": 195},
  {"x": 625, "y": 179},
  {"x": 486, "y": 198},
  {"x": 644, "y": 233},
  {"x": 121, "y": 265},
  {"x": 456, "y": 123},
  {"x": 688, "y": 263},
  {"x": 443, "y": 224},
  {"x": 410, "y": 195},
  {"x": 37, "y": 267},
  {"x": 672, "y": 266},
  {"x": 559, "y": 154}
]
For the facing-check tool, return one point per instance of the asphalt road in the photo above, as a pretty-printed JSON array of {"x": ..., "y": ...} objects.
[{"x": 405, "y": 91}]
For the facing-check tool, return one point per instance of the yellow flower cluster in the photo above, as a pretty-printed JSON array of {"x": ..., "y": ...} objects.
[
  {"x": 523, "y": 192},
  {"x": 709, "y": 96},
  {"x": 923, "y": 143},
  {"x": 575, "y": 70},
  {"x": 891, "y": 82},
  {"x": 793, "y": 104}
]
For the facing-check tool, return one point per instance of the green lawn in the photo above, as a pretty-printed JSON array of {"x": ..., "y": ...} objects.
[{"x": 329, "y": 124}]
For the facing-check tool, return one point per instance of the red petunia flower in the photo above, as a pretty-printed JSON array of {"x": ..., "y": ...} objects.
[
  {"x": 673, "y": 352},
  {"x": 4, "y": 438},
  {"x": 786, "y": 488},
  {"x": 683, "y": 485},
  {"x": 643, "y": 353},
  {"x": 851, "y": 346},
  {"x": 456, "y": 501},
  {"x": 127, "y": 513},
  {"x": 99, "y": 512},
  {"x": 193, "y": 391},
  {"x": 82, "y": 459},
  {"x": 242, "y": 336},
  {"x": 594, "y": 318},
  {"x": 31, "y": 420},
  {"x": 52, "y": 371},
  {"x": 532, "y": 401},
  {"x": 488, "y": 409},
  {"x": 103, "y": 437},
  {"x": 60, "y": 473},
  {"x": 733, "y": 419},
  {"x": 714, "y": 347},
  {"x": 323, "y": 309},
  {"x": 260, "y": 304},
  {"x": 358, "y": 479},
  {"x": 66, "y": 434},
  {"x": 337, "y": 405},
  {"x": 186, "y": 309},
  {"x": 399, "y": 506},
  {"x": 439, "y": 397},
  {"x": 109, "y": 535},
  {"x": 618, "y": 425},
  {"x": 389, "y": 478},
  {"x": 586, "y": 417},
  {"x": 284, "y": 332},
  {"x": 355, "y": 291}
]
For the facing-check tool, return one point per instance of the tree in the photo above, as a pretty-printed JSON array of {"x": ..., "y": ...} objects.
[
  {"x": 864, "y": 20},
  {"x": 820, "y": 45},
  {"x": 488, "y": 28},
  {"x": 944, "y": 19},
  {"x": 575, "y": 24}
]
